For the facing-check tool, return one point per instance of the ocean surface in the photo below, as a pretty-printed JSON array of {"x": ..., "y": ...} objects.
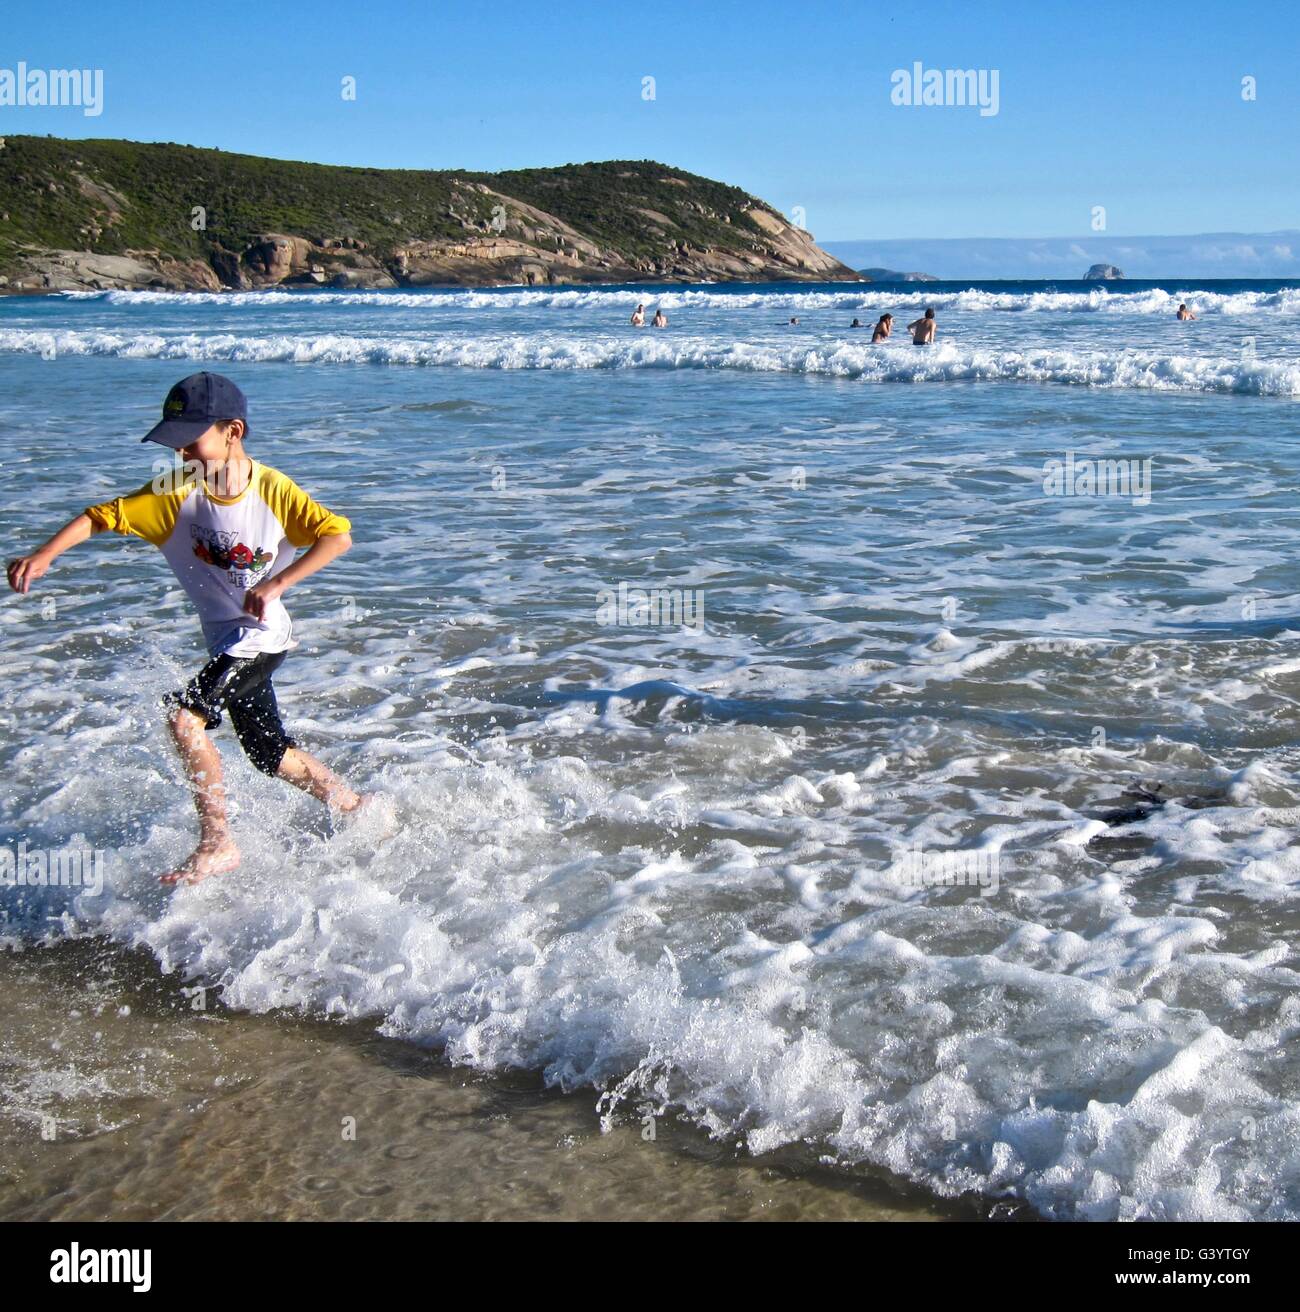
[{"x": 939, "y": 818}]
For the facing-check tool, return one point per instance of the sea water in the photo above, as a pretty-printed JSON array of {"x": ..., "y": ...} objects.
[{"x": 886, "y": 750}]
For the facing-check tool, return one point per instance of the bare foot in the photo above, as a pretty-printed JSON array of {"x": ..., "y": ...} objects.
[
  {"x": 206, "y": 861},
  {"x": 362, "y": 803},
  {"x": 374, "y": 813}
]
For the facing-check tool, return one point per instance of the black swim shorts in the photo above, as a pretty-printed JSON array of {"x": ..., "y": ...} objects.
[{"x": 242, "y": 686}]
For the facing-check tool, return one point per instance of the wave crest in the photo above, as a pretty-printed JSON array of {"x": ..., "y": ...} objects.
[
  {"x": 895, "y": 363},
  {"x": 1152, "y": 301}
]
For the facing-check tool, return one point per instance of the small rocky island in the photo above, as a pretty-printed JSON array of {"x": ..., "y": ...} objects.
[
  {"x": 892, "y": 275},
  {"x": 1103, "y": 273}
]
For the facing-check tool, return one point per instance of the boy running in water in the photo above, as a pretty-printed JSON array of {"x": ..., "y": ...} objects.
[{"x": 229, "y": 527}]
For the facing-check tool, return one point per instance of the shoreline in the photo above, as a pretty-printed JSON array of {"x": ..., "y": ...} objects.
[
  {"x": 306, "y": 288},
  {"x": 863, "y": 286},
  {"x": 166, "y": 1113}
]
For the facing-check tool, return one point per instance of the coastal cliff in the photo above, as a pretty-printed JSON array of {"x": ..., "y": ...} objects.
[{"x": 87, "y": 215}]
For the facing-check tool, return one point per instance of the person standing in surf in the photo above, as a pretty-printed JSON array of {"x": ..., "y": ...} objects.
[
  {"x": 922, "y": 330},
  {"x": 229, "y": 527}
]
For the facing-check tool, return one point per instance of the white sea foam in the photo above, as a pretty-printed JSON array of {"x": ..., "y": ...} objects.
[
  {"x": 897, "y": 362},
  {"x": 1153, "y": 301},
  {"x": 492, "y": 927},
  {"x": 671, "y": 863}
]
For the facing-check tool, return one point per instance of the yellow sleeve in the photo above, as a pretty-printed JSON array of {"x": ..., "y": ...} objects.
[
  {"x": 305, "y": 521},
  {"x": 145, "y": 513}
]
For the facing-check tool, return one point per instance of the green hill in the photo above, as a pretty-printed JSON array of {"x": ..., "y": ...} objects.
[{"x": 123, "y": 213}]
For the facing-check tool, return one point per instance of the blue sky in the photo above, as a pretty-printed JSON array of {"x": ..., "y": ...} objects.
[
  {"x": 1136, "y": 108},
  {"x": 1205, "y": 255}
]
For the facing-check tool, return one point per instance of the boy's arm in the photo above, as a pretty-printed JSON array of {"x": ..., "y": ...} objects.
[
  {"x": 24, "y": 571},
  {"x": 306, "y": 524},
  {"x": 317, "y": 556}
]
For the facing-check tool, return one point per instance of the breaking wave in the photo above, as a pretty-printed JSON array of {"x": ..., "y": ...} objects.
[{"x": 897, "y": 362}]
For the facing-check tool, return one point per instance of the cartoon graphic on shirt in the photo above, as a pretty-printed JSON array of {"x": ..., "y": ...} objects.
[
  {"x": 245, "y": 539},
  {"x": 225, "y": 551}
]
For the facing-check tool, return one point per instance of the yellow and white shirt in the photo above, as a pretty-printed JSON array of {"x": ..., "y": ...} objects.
[{"x": 219, "y": 547}]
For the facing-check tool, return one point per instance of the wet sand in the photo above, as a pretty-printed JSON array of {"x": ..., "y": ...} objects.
[{"x": 160, "y": 1111}]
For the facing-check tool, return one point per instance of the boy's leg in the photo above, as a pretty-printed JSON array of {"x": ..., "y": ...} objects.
[
  {"x": 255, "y": 716},
  {"x": 216, "y": 853},
  {"x": 304, "y": 771},
  {"x": 242, "y": 686}
]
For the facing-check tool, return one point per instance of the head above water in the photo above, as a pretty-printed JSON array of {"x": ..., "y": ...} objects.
[
  {"x": 203, "y": 409},
  {"x": 929, "y": 314}
]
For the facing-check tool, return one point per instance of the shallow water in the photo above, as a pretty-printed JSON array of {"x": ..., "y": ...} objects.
[
  {"x": 692, "y": 865},
  {"x": 162, "y": 1113}
]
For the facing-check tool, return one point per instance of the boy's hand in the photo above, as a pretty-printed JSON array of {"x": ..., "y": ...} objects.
[
  {"x": 257, "y": 599},
  {"x": 24, "y": 571},
  {"x": 318, "y": 555}
]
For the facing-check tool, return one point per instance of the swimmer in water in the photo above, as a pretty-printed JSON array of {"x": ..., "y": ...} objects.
[
  {"x": 638, "y": 317},
  {"x": 884, "y": 326},
  {"x": 857, "y": 323},
  {"x": 1184, "y": 313},
  {"x": 922, "y": 330},
  {"x": 660, "y": 320}
]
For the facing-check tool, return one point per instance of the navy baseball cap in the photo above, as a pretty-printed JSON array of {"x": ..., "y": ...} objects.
[{"x": 193, "y": 406}]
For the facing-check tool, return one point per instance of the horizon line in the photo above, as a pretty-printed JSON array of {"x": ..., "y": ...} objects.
[{"x": 1099, "y": 236}]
